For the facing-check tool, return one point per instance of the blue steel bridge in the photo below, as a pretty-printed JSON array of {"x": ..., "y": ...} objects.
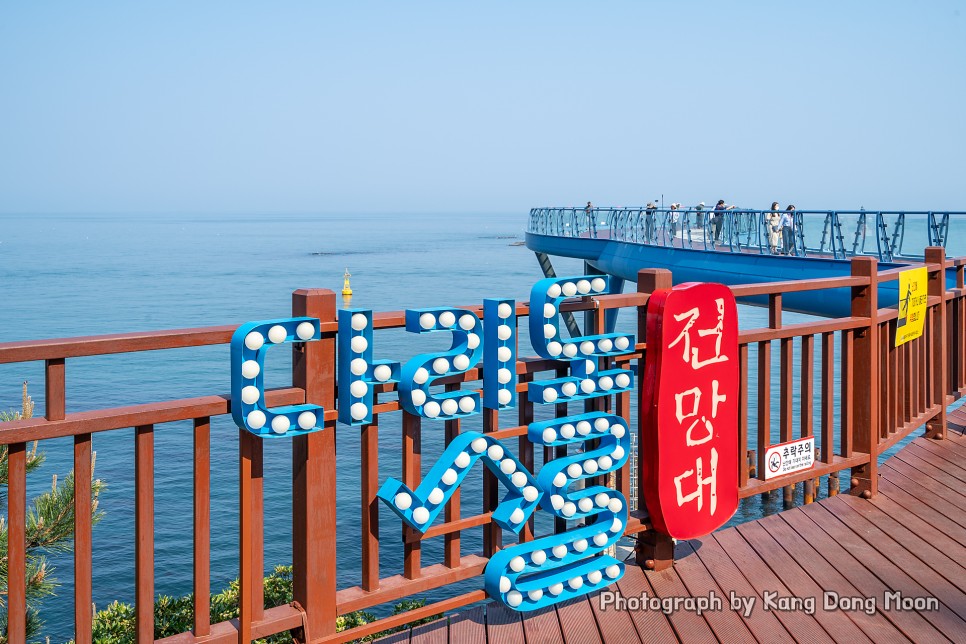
[{"x": 622, "y": 241}]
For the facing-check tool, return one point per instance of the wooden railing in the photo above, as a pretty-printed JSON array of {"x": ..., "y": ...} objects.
[{"x": 885, "y": 393}]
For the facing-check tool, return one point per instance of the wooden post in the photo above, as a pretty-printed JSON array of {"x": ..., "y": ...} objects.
[
  {"x": 202, "y": 526},
  {"x": 83, "y": 571},
  {"x": 16, "y": 543},
  {"x": 313, "y": 473},
  {"x": 412, "y": 451},
  {"x": 249, "y": 466},
  {"x": 144, "y": 532},
  {"x": 492, "y": 533},
  {"x": 369, "y": 478},
  {"x": 654, "y": 550},
  {"x": 939, "y": 353},
  {"x": 865, "y": 377},
  {"x": 56, "y": 388}
]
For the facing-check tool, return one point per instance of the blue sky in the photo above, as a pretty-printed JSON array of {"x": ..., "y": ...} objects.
[{"x": 486, "y": 107}]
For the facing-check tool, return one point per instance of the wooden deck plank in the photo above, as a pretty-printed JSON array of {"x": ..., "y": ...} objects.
[
  {"x": 954, "y": 442},
  {"x": 799, "y": 582},
  {"x": 503, "y": 624},
  {"x": 945, "y": 499},
  {"x": 761, "y": 577},
  {"x": 958, "y": 414},
  {"x": 929, "y": 491},
  {"x": 923, "y": 510},
  {"x": 727, "y": 625},
  {"x": 924, "y": 529},
  {"x": 947, "y": 455},
  {"x": 436, "y": 632},
  {"x": 867, "y": 584},
  {"x": 958, "y": 426},
  {"x": 950, "y": 451},
  {"x": 614, "y": 625},
  {"x": 833, "y": 569},
  {"x": 932, "y": 466},
  {"x": 689, "y": 626},
  {"x": 916, "y": 456},
  {"x": 880, "y": 554},
  {"x": 577, "y": 622},
  {"x": 652, "y": 627},
  {"x": 542, "y": 626},
  {"x": 468, "y": 626},
  {"x": 764, "y": 625},
  {"x": 925, "y": 549}
]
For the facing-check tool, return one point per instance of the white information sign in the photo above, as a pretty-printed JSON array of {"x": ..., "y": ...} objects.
[{"x": 786, "y": 458}]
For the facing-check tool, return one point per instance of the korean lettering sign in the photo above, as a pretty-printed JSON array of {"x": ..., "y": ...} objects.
[
  {"x": 786, "y": 458},
  {"x": 689, "y": 451},
  {"x": 912, "y": 304}
]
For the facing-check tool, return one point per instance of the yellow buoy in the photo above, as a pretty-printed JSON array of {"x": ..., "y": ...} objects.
[{"x": 346, "y": 288}]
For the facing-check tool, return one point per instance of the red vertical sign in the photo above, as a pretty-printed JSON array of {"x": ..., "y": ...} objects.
[{"x": 689, "y": 452}]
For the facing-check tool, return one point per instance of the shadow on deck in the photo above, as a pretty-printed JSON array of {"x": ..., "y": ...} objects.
[{"x": 910, "y": 539}]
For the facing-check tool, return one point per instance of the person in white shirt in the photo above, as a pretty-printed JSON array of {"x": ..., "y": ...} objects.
[{"x": 773, "y": 227}]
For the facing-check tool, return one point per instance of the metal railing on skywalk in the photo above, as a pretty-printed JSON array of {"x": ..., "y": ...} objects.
[{"x": 839, "y": 234}]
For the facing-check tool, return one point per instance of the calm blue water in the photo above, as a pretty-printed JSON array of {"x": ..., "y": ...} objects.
[{"x": 83, "y": 275}]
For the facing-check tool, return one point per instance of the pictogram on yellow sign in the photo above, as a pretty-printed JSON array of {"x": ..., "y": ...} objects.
[{"x": 912, "y": 304}]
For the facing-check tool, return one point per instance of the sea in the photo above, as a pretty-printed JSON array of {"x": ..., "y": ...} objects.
[{"x": 92, "y": 274}]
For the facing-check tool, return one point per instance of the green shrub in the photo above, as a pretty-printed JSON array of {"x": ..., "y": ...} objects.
[
  {"x": 115, "y": 624},
  {"x": 49, "y": 526}
]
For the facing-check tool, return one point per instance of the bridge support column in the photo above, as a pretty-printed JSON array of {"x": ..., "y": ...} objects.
[
  {"x": 938, "y": 349},
  {"x": 865, "y": 377}
]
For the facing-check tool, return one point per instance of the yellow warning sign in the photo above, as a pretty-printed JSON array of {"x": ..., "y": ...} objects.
[{"x": 912, "y": 304}]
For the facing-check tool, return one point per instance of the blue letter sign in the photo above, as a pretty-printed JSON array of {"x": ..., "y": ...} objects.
[
  {"x": 525, "y": 576},
  {"x": 248, "y": 347},
  {"x": 358, "y": 372}
]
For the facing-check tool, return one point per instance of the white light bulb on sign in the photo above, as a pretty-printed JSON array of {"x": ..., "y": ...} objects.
[
  {"x": 306, "y": 420},
  {"x": 277, "y": 334},
  {"x": 280, "y": 424},
  {"x": 382, "y": 373},
  {"x": 254, "y": 340},
  {"x": 305, "y": 330},
  {"x": 450, "y": 406},
  {"x": 256, "y": 419},
  {"x": 250, "y": 395},
  {"x": 250, "y": 369}
]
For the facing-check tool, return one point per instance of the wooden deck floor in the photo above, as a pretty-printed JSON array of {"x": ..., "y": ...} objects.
[{"x": 910, "y": 539}]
